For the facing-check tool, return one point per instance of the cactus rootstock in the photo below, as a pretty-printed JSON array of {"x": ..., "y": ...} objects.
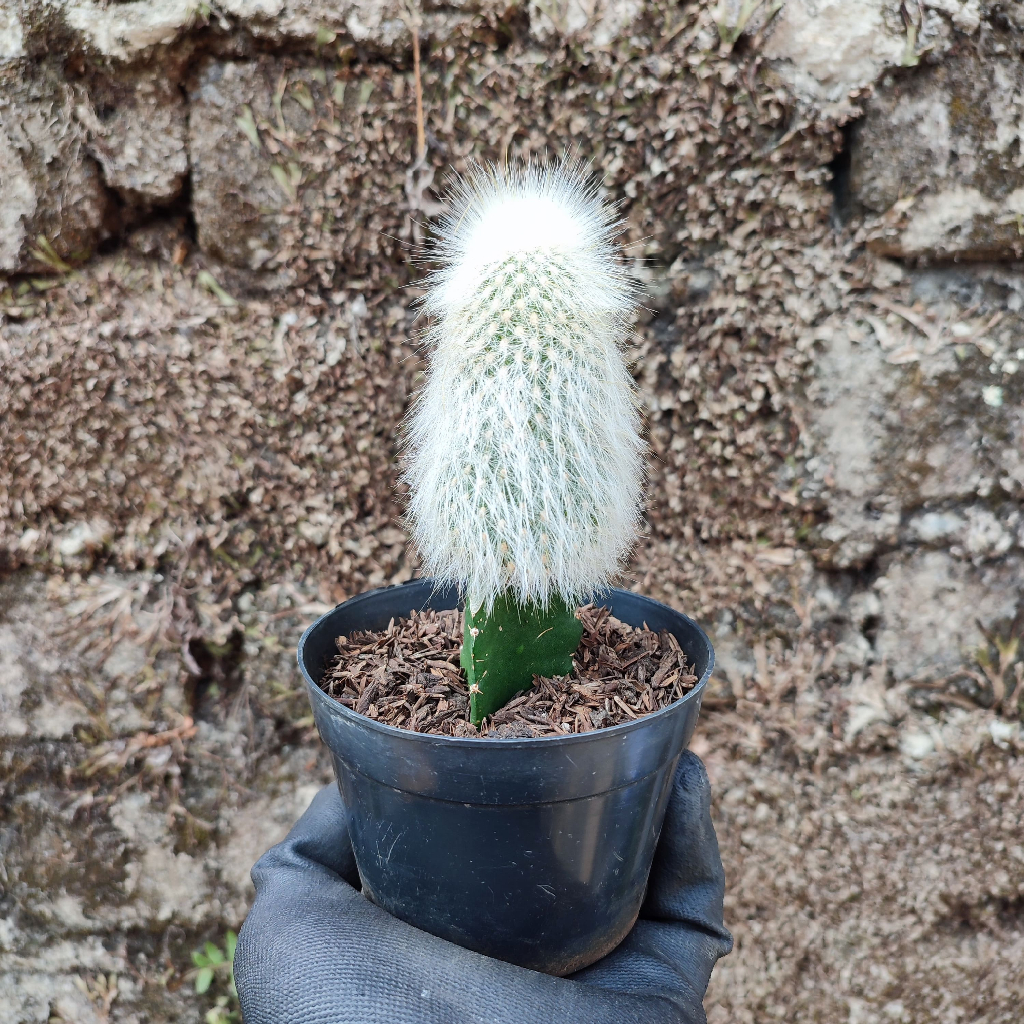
[{"x": 504, "y": 648}]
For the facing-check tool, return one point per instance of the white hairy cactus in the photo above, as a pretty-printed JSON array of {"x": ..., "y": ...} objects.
[{"x": 525, "y": 461}]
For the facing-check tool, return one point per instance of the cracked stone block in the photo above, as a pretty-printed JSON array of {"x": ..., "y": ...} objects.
[
  {"x": 243, "y": 194},
  {"x": 901, "y": 433},
  {"x": 937, "y": 158},
  {"x": 34, "y": 697},
  {"x": 12, "y": 35},
  {"x": 136, "y": 121},
  {"x": 249, "y": 835},
  {"x": 34, "y": 992},
  {"x": 164, "y": 884},
  {"x": 295, "y": 170},
  {"x": 128, "y": 29},
  {"x": 931, "y": 605},
  {"x": 602, "y": 22},
  {"x": 823, "y": 49},
  {"x": 53, "y": 206}
]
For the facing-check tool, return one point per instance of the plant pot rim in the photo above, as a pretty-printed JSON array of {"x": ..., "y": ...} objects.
[{"x": 334, "y": 707}]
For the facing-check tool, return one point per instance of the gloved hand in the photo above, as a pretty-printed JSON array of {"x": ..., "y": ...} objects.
[{"x": 313, "y": 950}]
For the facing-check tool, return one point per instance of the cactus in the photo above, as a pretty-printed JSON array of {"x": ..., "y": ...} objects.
[
  {"x": 504, "y": 648},
  {"x": 524, "y": 460}
]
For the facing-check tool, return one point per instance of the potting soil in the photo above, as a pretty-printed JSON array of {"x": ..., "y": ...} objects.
[{"x": 409, "y": 676}]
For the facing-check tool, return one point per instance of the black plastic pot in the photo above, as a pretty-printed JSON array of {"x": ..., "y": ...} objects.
[{"x": 533, "y": 851}]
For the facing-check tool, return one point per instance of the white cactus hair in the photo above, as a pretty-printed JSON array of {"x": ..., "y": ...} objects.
[{"x": 524, "y": 457}]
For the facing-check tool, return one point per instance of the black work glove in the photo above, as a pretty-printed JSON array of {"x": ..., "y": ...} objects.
[{"x": 313, "y": 950}]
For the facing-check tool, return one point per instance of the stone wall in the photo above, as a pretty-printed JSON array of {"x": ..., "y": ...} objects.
[
  {"x": 210, "y": 220},
  {"x": 804, "y": 394}
]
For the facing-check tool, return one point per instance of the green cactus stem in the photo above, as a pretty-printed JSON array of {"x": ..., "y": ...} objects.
[{"x": 503, "y": 649}]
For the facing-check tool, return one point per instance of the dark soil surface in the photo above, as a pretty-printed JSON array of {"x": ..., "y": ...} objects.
[{"x": 409, "y": 676}]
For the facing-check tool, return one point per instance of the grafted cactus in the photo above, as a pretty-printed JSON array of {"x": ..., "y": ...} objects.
[{"x": 525, "y": 462}]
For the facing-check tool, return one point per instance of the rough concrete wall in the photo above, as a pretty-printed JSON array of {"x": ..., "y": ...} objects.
[
  {"x": 198, "y": 437},
  {"x": 54, "y": 205},
  {"x": 938, "y": 157}
]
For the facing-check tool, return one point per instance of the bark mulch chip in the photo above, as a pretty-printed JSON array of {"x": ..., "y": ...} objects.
[{"x": 409, "y": 676}]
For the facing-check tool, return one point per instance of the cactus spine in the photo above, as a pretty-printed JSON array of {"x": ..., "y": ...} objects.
[{"x": 525, "y": 462}]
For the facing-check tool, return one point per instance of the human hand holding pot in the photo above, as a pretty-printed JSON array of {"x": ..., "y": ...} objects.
[{"x": 314, "y": 950}]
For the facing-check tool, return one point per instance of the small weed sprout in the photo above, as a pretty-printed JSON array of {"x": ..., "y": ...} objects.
[
  {"x": 525, "y": 462},
  {"x": 216, "y": 964}
]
